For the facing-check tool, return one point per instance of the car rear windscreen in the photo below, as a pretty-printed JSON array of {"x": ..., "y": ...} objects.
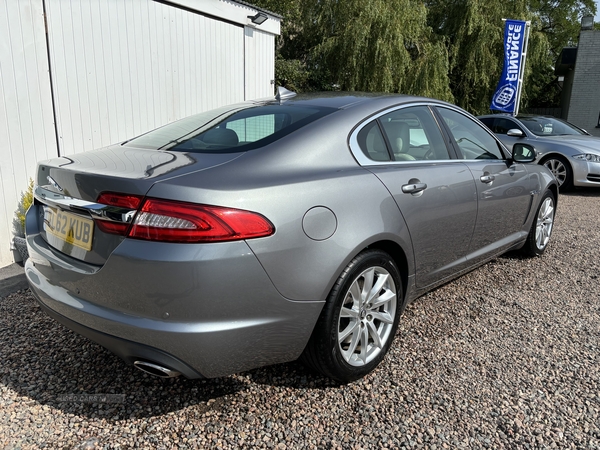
[{"x": 230, "y": 129}]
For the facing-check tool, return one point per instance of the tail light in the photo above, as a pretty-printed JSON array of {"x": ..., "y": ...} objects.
[
  {"x": 122, "y": 200},
  {"x": 172, "y": 221},
  {"x": 127, "y": 202}
]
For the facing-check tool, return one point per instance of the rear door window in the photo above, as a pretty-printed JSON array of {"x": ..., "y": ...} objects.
[
  {"x": 405, "y": 134},
  {"x": 413, "y": 134}
]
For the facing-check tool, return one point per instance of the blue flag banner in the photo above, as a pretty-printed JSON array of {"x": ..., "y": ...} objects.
[{"x": 505, "y": 98}]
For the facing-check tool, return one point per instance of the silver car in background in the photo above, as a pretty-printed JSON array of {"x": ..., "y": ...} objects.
[
  {"x": 266, "y": 231},
  {"x": 570, "y": 153}
]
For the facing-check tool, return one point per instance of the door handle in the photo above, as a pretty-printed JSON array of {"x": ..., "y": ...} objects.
[
  {"x": 413, "y": 188},
  {"x": 487, "y": 178}
]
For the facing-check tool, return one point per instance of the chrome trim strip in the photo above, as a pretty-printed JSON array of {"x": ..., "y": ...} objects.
[{"x": 95, "y": 210}]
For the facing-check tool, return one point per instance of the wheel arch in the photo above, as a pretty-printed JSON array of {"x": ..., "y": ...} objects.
[
  {"x": 398, "y": 256},
  {"x": 570, "y": 170},
  {"x": 554, "y": 189}
]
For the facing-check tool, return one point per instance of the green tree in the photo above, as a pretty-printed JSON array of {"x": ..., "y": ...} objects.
[
  {"x": 448, "y": 49},
  {"x": 378, "y": 45},
  {"x": 292, "y": 45},
  {"x": 559, "y": 22},
  {"x": 473, "y": 30},
  {"x": 360, "y": 45},
  {"x": 474, "y": 34}
]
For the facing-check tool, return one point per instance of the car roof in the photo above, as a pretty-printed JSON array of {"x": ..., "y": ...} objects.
[
  {"x": 344, "y": 100},
  {"x": 520, "y": 116},
  {"x": 501, "y": 115}
]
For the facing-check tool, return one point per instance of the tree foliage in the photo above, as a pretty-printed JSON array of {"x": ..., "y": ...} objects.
[
  {"x": 447, "y": 49},
  {"x": 474, "y": 32},
  {"x": 379, "y": 46},
  {"x": 471, "y": 29},
  {"x": 24, "y": 204},
  {"x": 560, "y": 21}
]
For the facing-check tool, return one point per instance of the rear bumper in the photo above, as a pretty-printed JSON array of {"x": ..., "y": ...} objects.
[
  {"x": 127, "y": 350},
  {"x": 205, "y": 310}
]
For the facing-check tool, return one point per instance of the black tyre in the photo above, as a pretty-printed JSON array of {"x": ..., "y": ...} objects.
[
  {"x": 359, "y": 320},
  {"x": 541, "y": 228},
  {"x": 561, "y": 169}
]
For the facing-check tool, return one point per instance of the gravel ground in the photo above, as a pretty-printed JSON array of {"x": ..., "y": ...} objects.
[{"x": 505, "y": 357}]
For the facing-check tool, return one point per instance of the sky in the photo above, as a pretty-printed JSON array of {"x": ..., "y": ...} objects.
[{"x": 597, "y": 18}]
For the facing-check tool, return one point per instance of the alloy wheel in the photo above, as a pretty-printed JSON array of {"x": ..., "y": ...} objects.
[
  {"x": 367, "y": 316},
  {"x": 545, "y": 221},
  {"x": 558, "y": 169}
]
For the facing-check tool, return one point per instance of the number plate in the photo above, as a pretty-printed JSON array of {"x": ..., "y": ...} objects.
[{"x": 68, "y": 227}]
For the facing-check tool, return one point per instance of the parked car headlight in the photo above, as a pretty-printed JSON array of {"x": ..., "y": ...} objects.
[{"x": 591, "y": 157}]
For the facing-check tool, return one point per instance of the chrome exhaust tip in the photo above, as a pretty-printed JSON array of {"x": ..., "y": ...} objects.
[{"x": 156, "y": 370}]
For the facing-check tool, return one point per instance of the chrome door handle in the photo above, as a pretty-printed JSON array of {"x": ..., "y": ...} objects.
[
  {"x": 487, "y": 178},
  {"x": 413, "y": 188}
]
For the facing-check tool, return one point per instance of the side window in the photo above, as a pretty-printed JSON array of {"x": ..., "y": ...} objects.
[
  {"x": 488, "y": 122},
  {"x": 413, "y": 134},
  {"x": 501, "y": 126},
  {"x": 372, "y": 143},
  {"x": 473, "y": 141}
]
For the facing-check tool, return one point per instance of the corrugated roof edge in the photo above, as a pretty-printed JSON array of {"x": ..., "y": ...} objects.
[{"x": 241, "y": 2}]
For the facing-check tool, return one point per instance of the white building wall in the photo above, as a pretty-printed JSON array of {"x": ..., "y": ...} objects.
[
  {"x": 26, "y": 122},
  {"x": 119, "y": 68},
  {"x": 260, "y": 64},
  {"x": 122, "y": 68}
]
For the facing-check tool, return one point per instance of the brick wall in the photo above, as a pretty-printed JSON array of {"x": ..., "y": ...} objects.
[{"x": 584, "y": 107}]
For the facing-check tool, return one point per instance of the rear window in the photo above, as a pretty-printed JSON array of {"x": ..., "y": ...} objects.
[{"x": 230, "y": 129}]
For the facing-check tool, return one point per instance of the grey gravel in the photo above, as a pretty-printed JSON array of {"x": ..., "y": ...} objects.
[{"x": 505, "y": 357}]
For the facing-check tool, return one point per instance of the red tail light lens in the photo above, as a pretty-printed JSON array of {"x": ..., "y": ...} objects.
[
  {"x": 113, "y": 227},
  {"x": 170, "y": 221},
  {"x": 119, "y": 200}
]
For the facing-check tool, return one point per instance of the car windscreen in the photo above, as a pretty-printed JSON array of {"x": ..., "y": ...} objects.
[
  {"x": 230, "y": 129},
  {"x": 548, "y": 126}
]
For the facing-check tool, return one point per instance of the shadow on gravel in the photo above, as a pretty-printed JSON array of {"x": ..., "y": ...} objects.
[
  {"x": 291, "y": 375},
  {"x": 582, "y": 192},
  {"x": 513, "y": 255},
  {"x": 46, "y": 363}
]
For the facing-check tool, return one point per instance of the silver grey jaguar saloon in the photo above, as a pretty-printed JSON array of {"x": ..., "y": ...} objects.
[{"x": 267, "y": 231}]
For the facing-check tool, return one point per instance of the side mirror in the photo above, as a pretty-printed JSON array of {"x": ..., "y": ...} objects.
[
  {"x": 515, "y": 132},
  {"x": 523, "y": 153}
]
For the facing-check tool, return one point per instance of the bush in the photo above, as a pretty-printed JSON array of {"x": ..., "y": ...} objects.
[{"x": 24, "y": 204}]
